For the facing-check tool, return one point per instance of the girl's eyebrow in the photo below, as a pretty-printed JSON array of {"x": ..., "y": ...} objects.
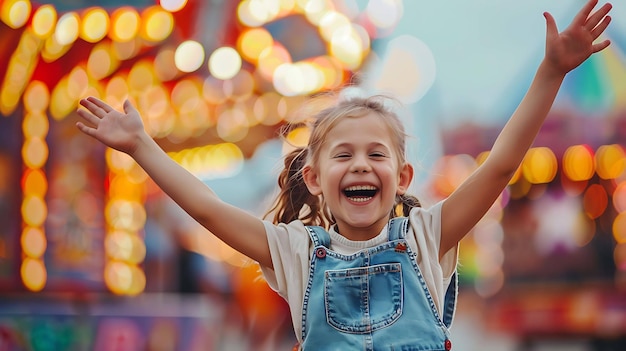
[{"x": 372, "y": 144}]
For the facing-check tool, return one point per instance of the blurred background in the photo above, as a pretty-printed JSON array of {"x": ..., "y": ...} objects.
[{"x": 93, "y": 256}]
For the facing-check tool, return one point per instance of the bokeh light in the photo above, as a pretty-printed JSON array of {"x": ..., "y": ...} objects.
[
  {"x": 95, "y": 25},
  {"x": 15, "y": 13},
  {"x": 224, "y": 63},
  {"x": 189, "y": 56}
]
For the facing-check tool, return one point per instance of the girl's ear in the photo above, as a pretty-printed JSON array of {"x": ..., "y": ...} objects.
[
  {"x": 311, "y": 180},
  {"x": 405, "y": 178}
]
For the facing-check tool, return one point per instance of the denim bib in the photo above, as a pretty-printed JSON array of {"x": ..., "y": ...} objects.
[{"x": 375, "y": 299}]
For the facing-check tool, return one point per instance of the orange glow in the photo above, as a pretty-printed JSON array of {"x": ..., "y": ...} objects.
[
  {"x": 34, "y": 274},
  {"x": 610, "y": 161},
  {"x": 123, "y": 246},
  {"x": 35, "y": 152},
  {"x": 33, "y": 242},
  {"x": 125, "y": 215},
  {"x": 595, "y": 201},
  {"x": 619, "y": 228},
  {"x": 67, "y": 29},
  {"x": 271, "y": 58},
  {"x": 578, "y": 164},
  {"x": 539, "y": 165},
  {"x": 252, "y": 42},
  {"x": 124, "y": 24},
  {"x": 34, "y": 211},
  {"x": 34, "y": 183},
  {"x": 95, "y": 25},
  {"x": 36, "y": 97},
  {"x": 15, "y": 13},
  {"x": 619, "y": 197},
  {"x": 157, "y": 24},
  {"x": 35, "y": 125},
  {"x": 101, "y": 62},
  {"x": 44, "y": 21}
]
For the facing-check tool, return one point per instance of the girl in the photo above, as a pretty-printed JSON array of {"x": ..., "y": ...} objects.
[{"x": 356, "y": 275}]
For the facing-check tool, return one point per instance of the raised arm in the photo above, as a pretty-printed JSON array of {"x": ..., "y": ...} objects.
[
  {"x": 125, "y": 132},
  {"x": 564, "y": 52}
]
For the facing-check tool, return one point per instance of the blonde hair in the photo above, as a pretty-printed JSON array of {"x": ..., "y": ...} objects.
[{"x": 294, "y": 201}]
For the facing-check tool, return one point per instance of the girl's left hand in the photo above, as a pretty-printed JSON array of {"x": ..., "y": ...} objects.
[{"x": 568, "y": 49}]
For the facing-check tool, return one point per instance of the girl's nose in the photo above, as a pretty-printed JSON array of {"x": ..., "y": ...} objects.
[{"x": 360, "y": 166}]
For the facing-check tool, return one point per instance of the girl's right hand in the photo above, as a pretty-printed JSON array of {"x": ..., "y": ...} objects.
[{"x": 120, "y": 131}]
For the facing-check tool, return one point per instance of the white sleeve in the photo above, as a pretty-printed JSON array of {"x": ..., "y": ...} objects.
[
  {"x": 425, "y": 234},
  {"x": 289, "y": 249}
]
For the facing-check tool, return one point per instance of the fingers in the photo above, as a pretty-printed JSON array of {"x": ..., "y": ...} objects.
[
  {"x": 128, "y": 106},
  {"x": 92, "y": 107},
  {"x": 599, "y": 29},
  {"x": 101, "y": 104},
  {"x": 85, "y": 129},
  {"x": 600, "y": 46},
  {"x": 551, "y": 28},
  {"x": 583, "y": 14},
  {"x": 88, "y": 116},
  {"x": 598, "y": 16}
]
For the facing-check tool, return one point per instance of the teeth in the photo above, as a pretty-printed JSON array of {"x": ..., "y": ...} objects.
[
  {"x": 360, "y": 199},
  {"x": 360, "y": 187},
  {"x": 360, "y": 193}
]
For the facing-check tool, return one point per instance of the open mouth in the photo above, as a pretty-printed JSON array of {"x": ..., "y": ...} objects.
[{"x": 360, "y": 193}]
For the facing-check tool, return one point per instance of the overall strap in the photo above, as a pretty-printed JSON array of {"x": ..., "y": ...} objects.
[
  {"x": 397, "y": 228},
  {"x": 319, "y": 236},
  {"x": 449, "y": 301}
]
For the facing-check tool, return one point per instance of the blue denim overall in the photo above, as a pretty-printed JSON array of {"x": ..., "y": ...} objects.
[{"x": 375, "y": 299}]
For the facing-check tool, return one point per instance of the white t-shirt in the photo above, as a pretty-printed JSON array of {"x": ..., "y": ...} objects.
[{"x": 291, "y": 250}]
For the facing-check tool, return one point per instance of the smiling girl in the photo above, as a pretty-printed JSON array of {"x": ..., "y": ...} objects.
[{"x": 357, "y": 275}]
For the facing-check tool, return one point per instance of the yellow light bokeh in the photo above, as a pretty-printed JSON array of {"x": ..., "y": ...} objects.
[
  {"x": 34, "y": 274},
  {"x": 95, "y": 25},
  {"x": 539, "y": 165},
  {"x": 15, "y": 13},
  {"x": 224, "y": 63},
  {"x": 141, "y": 76},
  {"x": 35, "y": 152},
  {"x": 53, "y": 50},
  {"x": 610, "y": 161},
  {"x": 125, "y": 215},
  {"x": 36, "y": 97},
  {"x": 44, "y": 21},
  {"x": 35, "y": 125},
  {"x": 67, "y": 29},
  {"x": 101, "y": 62},
  {"x": 619, "y": 228},
  {"x": 189, "y": 56},
  {"x": 252, "y": 42},
  {"x": 123, "y": 278},
  {"x": 35, "y": 183},
  {"x": 157, "y": 24},
  {"x": 578, "y": 163},
  {"x": 33, "y": 242},
  {"x": 125, "y": 23},
  {"x": 34, "y": 210},
  {"x": 123, "y": 246}
]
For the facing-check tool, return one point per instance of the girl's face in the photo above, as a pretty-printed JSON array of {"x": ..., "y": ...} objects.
[{"x": 358, "y": 174}]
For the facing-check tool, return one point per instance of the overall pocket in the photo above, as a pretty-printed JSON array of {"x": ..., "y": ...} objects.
[{"x": 362, "y": 300}]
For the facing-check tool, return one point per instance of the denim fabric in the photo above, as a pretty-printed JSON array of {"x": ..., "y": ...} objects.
[{"x": 375, "y": 299}]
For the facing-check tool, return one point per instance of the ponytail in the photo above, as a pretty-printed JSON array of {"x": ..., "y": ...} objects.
[
  {"x": 404, "y": 204},
  {"x": 294, "y": 200}
]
